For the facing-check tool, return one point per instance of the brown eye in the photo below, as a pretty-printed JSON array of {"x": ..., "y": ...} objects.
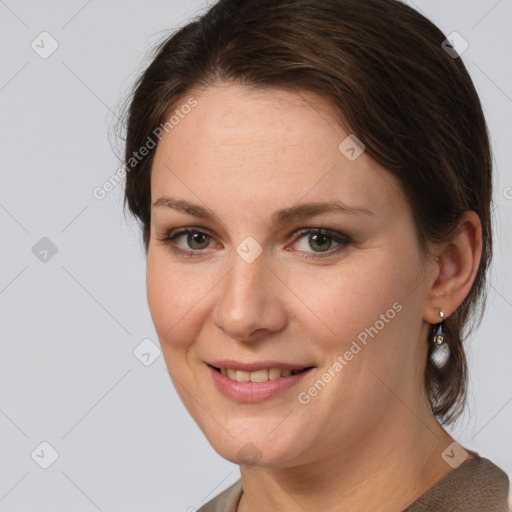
[
  {"x": 319, "y": 241},
  {"x": 196, "y": 240},
  {"x": 191, "y": 241}
]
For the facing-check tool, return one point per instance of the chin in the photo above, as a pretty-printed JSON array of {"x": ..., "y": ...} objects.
[{"x": 254, "y": 448}]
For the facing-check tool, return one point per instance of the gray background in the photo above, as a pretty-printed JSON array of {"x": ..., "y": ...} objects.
[{"x": 69, "y": 324}]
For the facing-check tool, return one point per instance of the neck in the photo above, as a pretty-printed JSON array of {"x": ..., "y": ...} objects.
[{"x": 386, "y": 471}]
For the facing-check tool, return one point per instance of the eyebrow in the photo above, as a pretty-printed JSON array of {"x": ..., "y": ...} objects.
[{"x": 295, "y": 213}]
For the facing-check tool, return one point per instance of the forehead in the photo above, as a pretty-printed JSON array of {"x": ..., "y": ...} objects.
[{"x": 277, "y": 144}]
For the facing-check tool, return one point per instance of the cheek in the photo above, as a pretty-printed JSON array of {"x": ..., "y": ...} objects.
[
  {"x": 342, "y": 302},
  {"x": 176, "y": 301},
  {"x": 374, "y": 313},
  {"x": 365, "y": 308}
]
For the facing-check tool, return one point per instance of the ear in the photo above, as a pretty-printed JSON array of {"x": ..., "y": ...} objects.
[{"x": 456, "y": 267}]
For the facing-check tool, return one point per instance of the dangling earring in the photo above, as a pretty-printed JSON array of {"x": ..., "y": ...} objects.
[{"x": 437, "y": 335}]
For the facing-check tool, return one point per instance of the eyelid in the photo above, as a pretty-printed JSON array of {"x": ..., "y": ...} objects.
[{"x": 336, "y": 235}]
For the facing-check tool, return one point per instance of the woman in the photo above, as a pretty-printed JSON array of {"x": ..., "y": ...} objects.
[{"x": 313, "y": 181}]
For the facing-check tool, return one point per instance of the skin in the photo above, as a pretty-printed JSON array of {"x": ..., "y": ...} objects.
[{"x": 368, "y": 440}]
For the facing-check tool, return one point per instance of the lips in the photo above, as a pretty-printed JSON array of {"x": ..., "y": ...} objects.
[{"x": 255, "y": 382}]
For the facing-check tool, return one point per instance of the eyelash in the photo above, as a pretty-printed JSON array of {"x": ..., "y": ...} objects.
[{"x": 169, "y": 237}]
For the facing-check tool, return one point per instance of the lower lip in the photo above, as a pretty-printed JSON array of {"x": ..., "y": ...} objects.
[{"x": 254, "y": 391}]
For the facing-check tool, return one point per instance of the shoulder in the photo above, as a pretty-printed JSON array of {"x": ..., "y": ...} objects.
[
  {"x": 226, "y": 501},
  {"x": 477, "y": 484}
]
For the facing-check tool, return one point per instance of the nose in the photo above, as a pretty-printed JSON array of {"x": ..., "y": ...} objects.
[{"x": 250, "y": 305}]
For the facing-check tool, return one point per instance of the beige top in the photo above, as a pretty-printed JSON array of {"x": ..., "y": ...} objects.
[{"x": 477, "y": 485}]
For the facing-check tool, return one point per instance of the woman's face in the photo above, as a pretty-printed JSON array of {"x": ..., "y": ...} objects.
[{"x": 256, "y": 286}]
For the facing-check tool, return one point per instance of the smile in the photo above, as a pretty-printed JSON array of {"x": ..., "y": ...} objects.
[
  {"x": 258, "y": 375},
  {"x": 244, "y": 385}
]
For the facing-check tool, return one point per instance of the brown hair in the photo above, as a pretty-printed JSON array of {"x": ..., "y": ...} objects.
[{"x": 382, "y": 67}]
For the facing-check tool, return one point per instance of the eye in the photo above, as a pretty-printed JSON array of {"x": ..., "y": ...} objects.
[
  {"x": 193, "y": 240},
  {"x": 321, "y": 241}
]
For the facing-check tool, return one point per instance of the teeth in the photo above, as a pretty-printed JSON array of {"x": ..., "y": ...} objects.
[
  {"x": 258, "y": 375},
  {"x": 274, "y": 373},
  {"x": 242, "y": 376}
]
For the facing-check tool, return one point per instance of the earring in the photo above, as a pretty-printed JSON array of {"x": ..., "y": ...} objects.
[{"x": 437, "y": 335}]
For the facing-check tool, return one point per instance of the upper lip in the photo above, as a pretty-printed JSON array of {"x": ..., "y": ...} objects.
[{"x": 257, "y": 365}]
